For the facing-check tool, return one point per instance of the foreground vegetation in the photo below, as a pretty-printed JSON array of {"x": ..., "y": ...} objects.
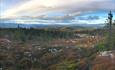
[{"x": 41, "y": 49}]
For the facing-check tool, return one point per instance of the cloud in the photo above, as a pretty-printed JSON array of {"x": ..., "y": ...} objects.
[
  {"x": 38, "y": 7},
  {"x": 63, "y": 17},
  {"x": 85, "y": 21}
]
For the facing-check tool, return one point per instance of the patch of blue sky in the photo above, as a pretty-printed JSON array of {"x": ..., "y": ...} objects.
[
  {"x": 55, "y": 14},
  {"x": 6, "y": 4}
]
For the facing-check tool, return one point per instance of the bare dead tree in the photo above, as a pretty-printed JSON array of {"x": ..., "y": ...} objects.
[{"x": 110, "y": 16}]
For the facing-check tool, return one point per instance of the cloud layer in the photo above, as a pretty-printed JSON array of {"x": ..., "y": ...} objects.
[
  {"x": 38, "y": 7},
  {"x": 46, "y": 11}
]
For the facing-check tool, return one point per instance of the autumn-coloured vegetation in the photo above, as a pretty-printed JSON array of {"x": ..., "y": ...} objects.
[{"x": 40, "y": 49}]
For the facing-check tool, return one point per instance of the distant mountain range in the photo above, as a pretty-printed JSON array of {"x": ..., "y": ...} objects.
[{"x": 73, "y": 26}]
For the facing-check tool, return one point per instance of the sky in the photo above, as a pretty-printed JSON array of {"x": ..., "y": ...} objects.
[{"x": 56, "y": 11}]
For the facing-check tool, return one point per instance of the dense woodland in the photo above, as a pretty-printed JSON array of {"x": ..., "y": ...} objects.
[{"x": 43, "y": 49}]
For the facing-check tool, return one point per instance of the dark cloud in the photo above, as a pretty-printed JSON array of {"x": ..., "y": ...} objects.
[
  {"x": 89, "y": 18},
  {"x": 65, "y": 17}
]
